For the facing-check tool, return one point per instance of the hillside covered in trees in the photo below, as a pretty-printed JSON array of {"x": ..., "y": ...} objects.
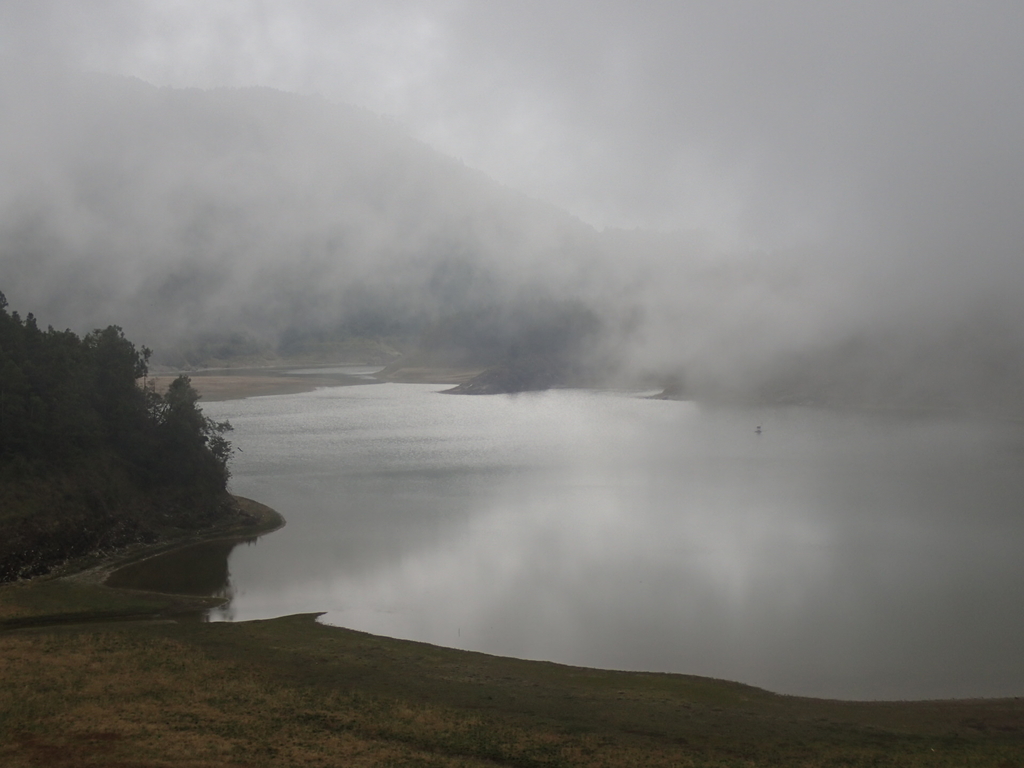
[
  {"x": 254, "y": 227},
  {"x": 89, "y": 458}
]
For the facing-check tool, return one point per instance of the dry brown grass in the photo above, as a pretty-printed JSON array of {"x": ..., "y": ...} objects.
[
  {"x": 111, "y": 699},
  {"x": 292, "y": 693}
]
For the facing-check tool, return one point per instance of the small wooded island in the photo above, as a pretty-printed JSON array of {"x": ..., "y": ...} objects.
[{"x": 94, "y": 461}]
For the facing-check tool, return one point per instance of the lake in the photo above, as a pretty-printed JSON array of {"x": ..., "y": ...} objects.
[{"x": 835, "y": 554}]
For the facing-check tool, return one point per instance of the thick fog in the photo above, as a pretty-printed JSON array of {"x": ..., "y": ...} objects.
[{"x": 803, "y": 201}]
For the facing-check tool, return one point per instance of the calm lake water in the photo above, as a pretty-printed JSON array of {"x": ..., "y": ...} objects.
[{"x": 837, "y": 555}]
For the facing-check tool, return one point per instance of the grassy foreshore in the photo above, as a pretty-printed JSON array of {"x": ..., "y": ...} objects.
[{"x": 81, "y": 686}]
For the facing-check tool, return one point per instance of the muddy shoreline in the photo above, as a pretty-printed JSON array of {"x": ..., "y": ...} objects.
[{"x": 77, "y": 592}]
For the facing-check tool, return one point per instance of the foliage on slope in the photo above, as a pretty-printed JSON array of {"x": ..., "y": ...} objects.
[{"x": 88, "y": 458}]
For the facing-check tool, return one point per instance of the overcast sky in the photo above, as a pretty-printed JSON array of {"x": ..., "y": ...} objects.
[
  {"x": 880, "y": 139},
  {"x": 756, "y": 120}
]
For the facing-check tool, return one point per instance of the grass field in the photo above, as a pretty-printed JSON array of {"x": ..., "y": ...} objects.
[{"x": 82, "y": 686}]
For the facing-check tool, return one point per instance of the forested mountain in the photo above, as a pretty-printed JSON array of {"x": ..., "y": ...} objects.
[
  {"x": 247, "y": 220},
  {"x": 90, "y": 458},
  {"x": 254, "y": 225}
]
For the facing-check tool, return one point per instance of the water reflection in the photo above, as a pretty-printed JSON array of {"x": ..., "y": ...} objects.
[
  {"x": 198, "y": 569},
  {"x": 834, "y": 554}
]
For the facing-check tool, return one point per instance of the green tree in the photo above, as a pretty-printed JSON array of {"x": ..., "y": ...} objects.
[
  {"x": 88, "y": 457},
  {"x": 192, "y": 447}
]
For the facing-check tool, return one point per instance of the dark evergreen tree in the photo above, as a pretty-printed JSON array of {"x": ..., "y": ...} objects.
[{"x": 90, "y": 456}]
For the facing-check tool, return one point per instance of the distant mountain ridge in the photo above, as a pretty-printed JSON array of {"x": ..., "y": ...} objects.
[
  {"x": 253, "y": 211},
  {"x": 255, "y": 225}
]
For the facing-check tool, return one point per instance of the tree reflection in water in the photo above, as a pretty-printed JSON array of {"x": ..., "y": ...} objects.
[{"x": 198, "y": 569}]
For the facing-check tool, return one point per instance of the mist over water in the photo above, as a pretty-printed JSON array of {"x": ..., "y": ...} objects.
[{"x": 836, "y": 555}]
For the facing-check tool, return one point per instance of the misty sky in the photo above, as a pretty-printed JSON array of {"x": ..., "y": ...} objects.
[
  {"x": 872, "y": 147},
  {"x": 766, "y": 123}
]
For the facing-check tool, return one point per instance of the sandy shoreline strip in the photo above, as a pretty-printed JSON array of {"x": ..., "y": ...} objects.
[
  {"x": 213, "y": 388},
  {"x": 236, "y": 386}
]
